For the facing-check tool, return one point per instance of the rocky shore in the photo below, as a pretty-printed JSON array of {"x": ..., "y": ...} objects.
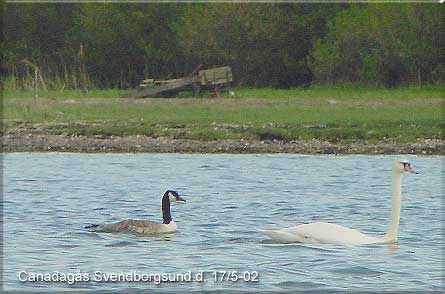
[{"x": 30, "y": 142}]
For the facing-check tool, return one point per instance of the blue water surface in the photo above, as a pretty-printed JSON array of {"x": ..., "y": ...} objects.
[{"x": 48, "y": 198}]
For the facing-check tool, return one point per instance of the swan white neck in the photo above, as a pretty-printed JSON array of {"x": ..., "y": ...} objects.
[{"x": 391, "y": 235}]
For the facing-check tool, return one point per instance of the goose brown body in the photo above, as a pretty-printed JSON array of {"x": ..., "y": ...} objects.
[{"x": 145, "y": 227}]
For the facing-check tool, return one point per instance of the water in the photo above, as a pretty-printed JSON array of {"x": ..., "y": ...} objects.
[{"x": 50, "y": 197}]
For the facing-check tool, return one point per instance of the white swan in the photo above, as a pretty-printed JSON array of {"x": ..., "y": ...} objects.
[
  {"x": 144, "y": 227},
  {"x": 329, "y": 233}
]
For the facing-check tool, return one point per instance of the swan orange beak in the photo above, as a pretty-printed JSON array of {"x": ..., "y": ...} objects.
[{"x": 410, "y": 169}]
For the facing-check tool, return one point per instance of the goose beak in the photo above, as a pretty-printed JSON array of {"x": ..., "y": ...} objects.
[{"x": 180, "y": 199}]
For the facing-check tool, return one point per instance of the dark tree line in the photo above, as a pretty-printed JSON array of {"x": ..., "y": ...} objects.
[
  {"x": 280, "y": 45},
  {"x": 383, "y": 44}
]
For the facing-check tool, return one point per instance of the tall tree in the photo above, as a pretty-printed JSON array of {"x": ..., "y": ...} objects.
[
  {"x": 37, "y": 32},
  {"x": 382, "y": 44},
  {"x": 125, "y": 42},
  {"x": 266, "y": 44}
]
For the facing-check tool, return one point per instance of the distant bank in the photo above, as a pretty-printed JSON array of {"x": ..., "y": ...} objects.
[
  {"x": 16, "y": 142},
  {"x": 318, "y": 120}
]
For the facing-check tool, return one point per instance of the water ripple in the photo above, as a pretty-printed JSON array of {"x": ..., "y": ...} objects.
[{"x": 228, "y": 198}]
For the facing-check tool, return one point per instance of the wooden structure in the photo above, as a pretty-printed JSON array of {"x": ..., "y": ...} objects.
[{"x": 209, "y": 79}]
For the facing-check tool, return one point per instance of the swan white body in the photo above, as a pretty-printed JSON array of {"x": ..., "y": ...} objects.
[
  {"x": 143, "y": 227},
  {"x": 329, "y": 233},
  {"x": 321, "y": 233}
]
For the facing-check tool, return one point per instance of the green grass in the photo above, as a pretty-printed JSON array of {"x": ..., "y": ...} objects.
[
  {"x": 65, "y": 94},
  {"x": 345, "y": 91},
  {"x": 286, "y": 115},
  {"x": 266, "y": 121}
]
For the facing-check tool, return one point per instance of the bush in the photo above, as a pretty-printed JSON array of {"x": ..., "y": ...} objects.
[{"x": 382, "y": 45}]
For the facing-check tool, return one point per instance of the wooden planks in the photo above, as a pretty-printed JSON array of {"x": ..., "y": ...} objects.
[
  {"x": 215, "y": 76},
  {"x": 208, "y": 78},
  {"x": 174, "y": 85}
]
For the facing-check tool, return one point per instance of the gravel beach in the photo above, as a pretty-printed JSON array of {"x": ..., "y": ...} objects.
[{"x": 28, "y": 142}]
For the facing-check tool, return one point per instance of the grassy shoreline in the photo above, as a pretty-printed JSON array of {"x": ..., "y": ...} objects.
[
  {"x": 341, "y": 91},
  {"x": 340, "y": 115}
]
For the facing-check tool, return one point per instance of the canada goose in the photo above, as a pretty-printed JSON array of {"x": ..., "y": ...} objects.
[
  {"x": 142, "y": 226},
  {"x": 329, "y": 233}
]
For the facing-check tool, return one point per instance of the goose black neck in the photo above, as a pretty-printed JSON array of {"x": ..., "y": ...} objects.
[{"x": 166, "y": 208}]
